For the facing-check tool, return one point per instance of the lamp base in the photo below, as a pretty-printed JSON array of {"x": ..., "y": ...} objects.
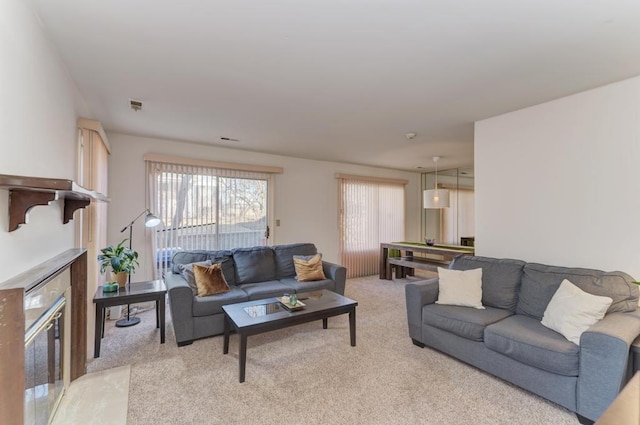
[{"x": 125, "y": 323}]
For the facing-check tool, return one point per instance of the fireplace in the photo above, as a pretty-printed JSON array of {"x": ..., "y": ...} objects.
[
  {"x": 46, "y": 352},
  {"x": 43, "y": 341}
]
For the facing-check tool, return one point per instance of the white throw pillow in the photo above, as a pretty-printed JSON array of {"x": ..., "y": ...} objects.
[
  {"x": 460, "y": 287},
  {"x": 572, "y": 311}
]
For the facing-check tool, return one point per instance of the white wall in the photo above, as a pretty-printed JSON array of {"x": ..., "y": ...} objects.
[
  {"x": 38, "y": 110},
  {"x": 559, "y": 183},
  {"x": 306, "y": 194}
]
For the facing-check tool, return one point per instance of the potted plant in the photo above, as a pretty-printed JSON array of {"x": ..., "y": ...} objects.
[{"x": 121, "y": 259}]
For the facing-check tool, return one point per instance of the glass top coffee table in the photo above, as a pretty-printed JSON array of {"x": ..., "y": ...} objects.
[{"x": 259, "y": 316}]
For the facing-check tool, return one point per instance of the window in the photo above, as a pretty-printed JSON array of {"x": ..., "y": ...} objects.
[
  {"x": 207, "y": 207},
  {"x": 371, "y": 212}
]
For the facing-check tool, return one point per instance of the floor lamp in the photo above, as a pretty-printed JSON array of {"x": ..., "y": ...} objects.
[{"x": 149, "y": 221}]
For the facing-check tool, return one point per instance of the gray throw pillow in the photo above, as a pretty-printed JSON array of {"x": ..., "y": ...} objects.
[{"x": 186, "y": 270}]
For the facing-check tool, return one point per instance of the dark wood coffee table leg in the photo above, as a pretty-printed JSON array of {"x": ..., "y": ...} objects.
[
  {"x": 325, "y": 323},
  {"x": 352, "y": 326},
  {"x": 225, "y": 346},
  {"x": 243, "y": 355}
]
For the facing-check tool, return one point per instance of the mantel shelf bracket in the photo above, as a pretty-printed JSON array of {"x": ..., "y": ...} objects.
[
  {"x": 71, "y": 205},
  {"x": 21, "y": 201}
]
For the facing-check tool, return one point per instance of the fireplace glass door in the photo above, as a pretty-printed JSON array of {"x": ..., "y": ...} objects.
[{"x": 44, "y": 342}]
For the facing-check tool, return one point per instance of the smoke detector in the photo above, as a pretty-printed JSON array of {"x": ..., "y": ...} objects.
[
  {"x": 136, "y": 105},
  {"x": 410, "y": 136}
]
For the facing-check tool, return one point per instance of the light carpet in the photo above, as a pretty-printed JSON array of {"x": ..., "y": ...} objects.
[{"x": 305, "y": 374}]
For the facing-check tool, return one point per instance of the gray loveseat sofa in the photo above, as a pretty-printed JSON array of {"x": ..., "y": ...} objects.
[
  {"x": 507, "y": 339},
  {"x": 252, "y": 273}
]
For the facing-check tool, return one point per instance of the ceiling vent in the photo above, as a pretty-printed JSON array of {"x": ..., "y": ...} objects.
[
  {"x": 229, "y": 139},
  {"x": 136, "y": 105}
]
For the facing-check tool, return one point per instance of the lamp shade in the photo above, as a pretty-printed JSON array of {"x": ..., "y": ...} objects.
[
  {"x": 151, "y": 220},
  {"x": 435, "y": 198}
]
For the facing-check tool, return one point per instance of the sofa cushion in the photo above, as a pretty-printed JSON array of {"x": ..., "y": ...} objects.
[
  {"x": 572, "y": 311},
  {"x": 540, "y": 282},
  {"x": 212, "y": 304},
  {"x": 460, "y": 287},
  {"x": 466, "y": 322},
  {"x": 268, "y": 289},
  {"x": 524, "y": 339},
  {"x": 500, "y": 279},
  {"x": 283, "y": 257},
  {"x": 314, "y": 285},
  {"x": 254, "y": 264}
]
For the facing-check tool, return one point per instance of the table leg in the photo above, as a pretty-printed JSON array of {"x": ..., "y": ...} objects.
[
  {"x": 225, "y": 347},
  {"x": 243, "y": 355},
  {"x": 157, "y": 313},
  {"x": 160, "y": 309},
  {"x": 104, "y": 320},
  {"x": 384, "y": 253},
  {"x": 98, "y": 330},
  {"x": 352, "y": 326},
  {"x": 325, "y": 323}
]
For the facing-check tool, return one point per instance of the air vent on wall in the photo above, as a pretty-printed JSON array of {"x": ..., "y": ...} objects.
[{"x": 136, "y": 105}]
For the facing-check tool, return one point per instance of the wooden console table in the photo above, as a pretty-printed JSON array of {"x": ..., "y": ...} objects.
[{"x": 438, "y": 256}]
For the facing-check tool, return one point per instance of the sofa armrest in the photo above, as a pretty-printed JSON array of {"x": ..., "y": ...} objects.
[
  {"x": 181, "y": 306},
  {"x": 419, "y": 294},
  {"x": 337, "y": 273},
  {"x": 604, "y": 361}
]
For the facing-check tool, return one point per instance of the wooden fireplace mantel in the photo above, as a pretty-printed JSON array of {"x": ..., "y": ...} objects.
[
  {"x": 27, "y": 192},
  {"x": 12, "y": 327}
]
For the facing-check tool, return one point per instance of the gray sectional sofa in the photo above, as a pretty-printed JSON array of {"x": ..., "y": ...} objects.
[
  {"x": 252, "y": 273},
  {"x": 508, "y": 340}
]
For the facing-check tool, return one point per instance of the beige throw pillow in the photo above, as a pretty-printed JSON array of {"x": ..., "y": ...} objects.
[
  {"x": 460, "y": 287},
  {"x": 572, "y": 311},
  {"x": 308, "y": 268},
  {"x": 210, "y": 280}
]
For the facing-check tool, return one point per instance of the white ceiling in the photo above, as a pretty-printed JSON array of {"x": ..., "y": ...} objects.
[{"x": 339, "y": 80}]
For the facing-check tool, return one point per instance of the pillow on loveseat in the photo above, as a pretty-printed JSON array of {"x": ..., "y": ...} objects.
[
  {"x": 572, "y": 311},
  {"x": 463, "y": 288}
]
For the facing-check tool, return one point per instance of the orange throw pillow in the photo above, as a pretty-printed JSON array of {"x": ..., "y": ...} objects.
[{"x": 210, "y": 280}]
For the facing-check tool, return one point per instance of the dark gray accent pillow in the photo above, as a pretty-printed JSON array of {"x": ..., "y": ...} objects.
[
  {"x": 284, "y": 257},
  {"x": 187, "y": 257},
  {"x": 500, "y": 279},
  {"x": 228, "y": 265},
  {"x": 254, "y": 264},
  {"x": 540, "y": 282},
  {"x": 186, "y": 270}
]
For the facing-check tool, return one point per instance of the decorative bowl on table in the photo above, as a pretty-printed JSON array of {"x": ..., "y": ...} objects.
[{"x": 110, "y": 287}]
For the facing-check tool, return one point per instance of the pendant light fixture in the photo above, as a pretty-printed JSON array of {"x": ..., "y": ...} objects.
[{"x": 436, "y": 198}]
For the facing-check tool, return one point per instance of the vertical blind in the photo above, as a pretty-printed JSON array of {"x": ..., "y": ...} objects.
[
  {"x": 371, "y": 212},
  {"x": 206, "y": 208}
]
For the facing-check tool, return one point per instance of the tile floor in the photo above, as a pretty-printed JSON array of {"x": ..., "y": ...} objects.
[{"x": 99, "y": 398}]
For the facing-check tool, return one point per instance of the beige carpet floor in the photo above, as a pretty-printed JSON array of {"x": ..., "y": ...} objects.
[{"x": 307, "y": 375}]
